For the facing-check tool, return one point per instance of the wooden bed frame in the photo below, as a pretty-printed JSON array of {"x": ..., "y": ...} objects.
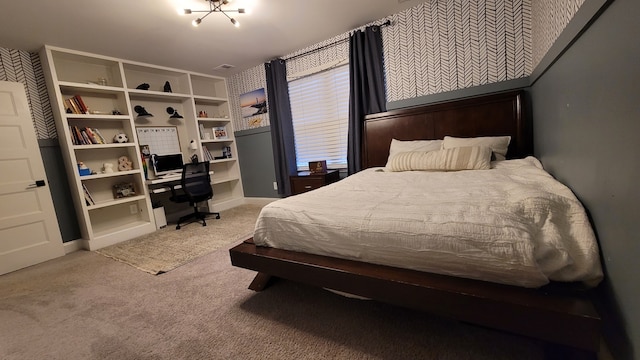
[{"x": 565, "y": 319}]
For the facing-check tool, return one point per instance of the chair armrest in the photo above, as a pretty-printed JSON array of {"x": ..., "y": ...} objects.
[{"x": 173, "y": 188}]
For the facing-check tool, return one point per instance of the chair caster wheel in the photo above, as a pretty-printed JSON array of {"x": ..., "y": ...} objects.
[
  {"x": 204, "y": 224},
  {"x": 217, "y": 216},
  {"x": 177, "y": 227}
]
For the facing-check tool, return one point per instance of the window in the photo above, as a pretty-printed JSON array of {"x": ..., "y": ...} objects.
[{"x": 320, "y": 111}]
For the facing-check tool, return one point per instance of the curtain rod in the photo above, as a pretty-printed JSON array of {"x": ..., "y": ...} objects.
[{"x": 386, "y": 23}]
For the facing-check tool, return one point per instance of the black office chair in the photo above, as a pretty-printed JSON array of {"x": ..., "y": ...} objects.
[{"x": 196, "y": 187}]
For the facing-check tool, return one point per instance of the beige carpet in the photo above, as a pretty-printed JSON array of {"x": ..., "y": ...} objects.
[
  {"x": 168, "y": 248},
  {"x": 84, "y": 306}
]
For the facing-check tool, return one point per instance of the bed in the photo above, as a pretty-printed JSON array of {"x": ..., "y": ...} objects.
[{"x": 554, "y": 308}]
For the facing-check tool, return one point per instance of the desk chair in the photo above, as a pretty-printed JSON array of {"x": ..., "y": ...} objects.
[{"x": 196, "y": 187}]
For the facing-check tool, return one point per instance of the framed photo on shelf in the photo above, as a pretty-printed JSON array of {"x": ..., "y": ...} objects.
[
  {"x": 123, "y": 190},
  {"x": 318, "y": 167},
  {"x": 145, "y": 151},
  {"x": 220, "y": 133}
]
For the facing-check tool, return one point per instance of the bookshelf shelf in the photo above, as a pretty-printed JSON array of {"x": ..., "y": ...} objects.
[
  {"x": 104, "y": 204},
  {"x": 94, "y": 88},
  {"x": 108, "y": 175},
  {"x": 103, "y": 146},
  {"x": 216, "y": 120},
  {"x": 97, "y": 117},
  {"x": 157, "y": 95}
]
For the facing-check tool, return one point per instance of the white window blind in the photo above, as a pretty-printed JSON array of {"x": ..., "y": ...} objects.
[{"x": 320, "y": 111}]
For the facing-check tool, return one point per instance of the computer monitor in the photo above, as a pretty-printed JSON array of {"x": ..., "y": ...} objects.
[{"x": 167, "y": 164}]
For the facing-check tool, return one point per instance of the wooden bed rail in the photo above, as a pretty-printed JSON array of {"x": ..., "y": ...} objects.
[{"x": 566, "y": 320}]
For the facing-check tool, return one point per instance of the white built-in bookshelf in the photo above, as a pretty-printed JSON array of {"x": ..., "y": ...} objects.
[{"x": 93, "y": 99}]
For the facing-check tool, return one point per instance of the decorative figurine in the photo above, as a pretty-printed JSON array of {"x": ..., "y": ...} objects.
[
  {"x": 124, "y": 164},
  {"x": 167, "y": 87},
  {"x": 107, "y": 168},
  {"x": 83, "y": 169},
  {"x": 143, "y": 86}
]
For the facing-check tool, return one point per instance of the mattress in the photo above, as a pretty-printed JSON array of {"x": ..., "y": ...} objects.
[{"x": 512, "y": 224}]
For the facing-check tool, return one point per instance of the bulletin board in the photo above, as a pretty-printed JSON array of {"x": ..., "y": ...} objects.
[{"x": 161, "y": 140}]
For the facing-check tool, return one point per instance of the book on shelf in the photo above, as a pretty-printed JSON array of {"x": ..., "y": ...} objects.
[
  {"x": 207, "y": 154},
  {"x": 99, "y": 135},
  {"x": 201, "y": 126},
  {"x": 75, "y": 108},
  {"x": 72, "y": 133},
  {"x": 92, "y": 136},
  {"x": 69, "y": 107},
  {"x": 87, "y": 196},
  {"x": 76, "y": 105},
  {"x": 76, "y": 135},
  {"x": 85, "y": 135},
  {"x": 83, "y": 107}
]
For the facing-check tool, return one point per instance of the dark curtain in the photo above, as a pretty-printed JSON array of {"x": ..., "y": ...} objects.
[
  {"x": 284, "y": 151},
  {"x": 366, "y": 95}
]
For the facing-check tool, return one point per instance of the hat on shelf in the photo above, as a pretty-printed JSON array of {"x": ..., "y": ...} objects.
[
  {"x": 174, "y": 113},
  {"x": 141, "y": 111}
]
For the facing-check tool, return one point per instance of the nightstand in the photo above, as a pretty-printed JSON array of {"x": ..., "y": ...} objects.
[{"x": 306, "y": 181}]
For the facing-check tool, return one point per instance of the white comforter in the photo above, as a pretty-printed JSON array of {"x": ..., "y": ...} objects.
[{"x": 512, "y": 224}]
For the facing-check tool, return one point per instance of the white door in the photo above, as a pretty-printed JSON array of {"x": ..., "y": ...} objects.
[{"x": 29, "y": 232}]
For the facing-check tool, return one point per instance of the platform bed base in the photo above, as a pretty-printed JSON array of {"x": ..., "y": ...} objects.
[{"x": 568, "y": 322}]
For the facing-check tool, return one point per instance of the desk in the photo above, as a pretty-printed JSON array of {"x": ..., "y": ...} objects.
[
  {"x": 160, "y": 192},
  {"x": 161, "y": 184}
]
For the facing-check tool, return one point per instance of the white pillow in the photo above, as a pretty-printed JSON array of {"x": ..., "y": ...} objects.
[
  {"x": 498, "y": 144},
  {"x": 400, "y": 146},
  {"x": 454, "y": 159}
]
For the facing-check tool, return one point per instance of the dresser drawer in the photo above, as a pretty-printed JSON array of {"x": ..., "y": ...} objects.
[
  {"x": 306, "y": 181},
  {"x": 304, "y": 184}
]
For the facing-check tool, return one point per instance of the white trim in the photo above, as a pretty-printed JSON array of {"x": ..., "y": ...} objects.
[
  {"x": 259, "y": 201},
  {"x": 72, "y": 246}
]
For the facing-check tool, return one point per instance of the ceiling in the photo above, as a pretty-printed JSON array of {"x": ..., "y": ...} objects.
[{"x": 151, "y": 31}]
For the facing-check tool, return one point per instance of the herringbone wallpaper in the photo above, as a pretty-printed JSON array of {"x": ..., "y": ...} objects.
[
  {"x": 444, "y": 45},
  {"x": 433, "y": 47},
  {"x": 440, "y": 46},
  {"x": 551, "y": 17},
  {"x": 24, "y": 67}
]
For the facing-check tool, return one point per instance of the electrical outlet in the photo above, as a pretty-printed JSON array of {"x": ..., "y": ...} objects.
[
  {"x": 133, "y": 209},
  {"x": 275, "y": 186}
]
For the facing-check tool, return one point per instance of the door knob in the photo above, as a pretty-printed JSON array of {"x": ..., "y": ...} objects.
[{"x": 38, "y": 183}]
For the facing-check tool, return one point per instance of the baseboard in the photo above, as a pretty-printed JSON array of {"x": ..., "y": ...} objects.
[
  {"x": 259, "y": 201},
  {"x": 72, "y": 246}
]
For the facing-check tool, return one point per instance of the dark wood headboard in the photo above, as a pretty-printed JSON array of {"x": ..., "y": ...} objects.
[{"x": 488, "y": 115}]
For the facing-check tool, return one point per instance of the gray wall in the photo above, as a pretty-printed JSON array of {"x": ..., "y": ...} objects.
[
  {"x": 58, "y": 183},
  {"x": 586, "y": 124}
]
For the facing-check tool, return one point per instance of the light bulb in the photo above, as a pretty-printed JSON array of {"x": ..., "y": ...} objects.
[
  {"x": 196, "y": 22},
  {"x": 184, "y": 11},
  {"x": 235, "y": 22}
]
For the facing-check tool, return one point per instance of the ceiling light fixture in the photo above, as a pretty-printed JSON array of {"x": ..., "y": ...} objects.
[{"x": 215, "y": 6}]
